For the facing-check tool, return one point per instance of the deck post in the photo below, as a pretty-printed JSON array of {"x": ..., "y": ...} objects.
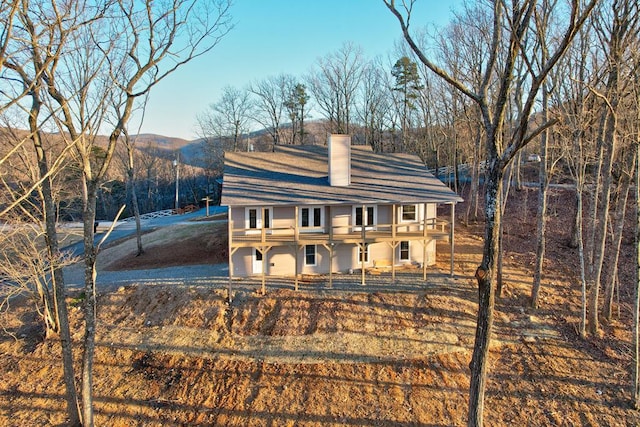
[
  {"x": 331, "y": 265},
  {"x": 393, "y": 244},
  {"x": 295, "y": 246},
  {"x": 330, "y": 246},
  {"x": 424, "y": 245},
  {"x": 263, "y": 288},
  {"x": 452, "y": 235},
  {"x": 230, "y": 239},
  {"x": 364, "y": 244}
]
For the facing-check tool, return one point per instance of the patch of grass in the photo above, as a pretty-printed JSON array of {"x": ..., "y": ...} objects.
[{"x": 78, "y": 300}]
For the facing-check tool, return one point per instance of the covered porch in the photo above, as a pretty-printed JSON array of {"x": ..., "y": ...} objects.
[{"x": 332, "y": 236}]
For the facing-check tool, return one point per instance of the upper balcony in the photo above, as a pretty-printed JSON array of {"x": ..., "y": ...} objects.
[{"x": 430, "y": 229}]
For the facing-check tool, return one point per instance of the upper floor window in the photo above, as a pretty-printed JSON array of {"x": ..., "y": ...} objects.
[
  {"x": 257, "y": 218},
  {"x": 311, "y": 217},
  {"x": 366, "y": 216},
  {"x": 253, "y": 218},
  {"x": 409, "y": 213}
]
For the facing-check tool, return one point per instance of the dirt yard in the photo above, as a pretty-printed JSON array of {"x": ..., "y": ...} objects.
[{"x": 384, "y": 355}]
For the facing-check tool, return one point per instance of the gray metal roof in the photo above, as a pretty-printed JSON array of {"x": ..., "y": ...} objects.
[{"x": 298, "y": 175}]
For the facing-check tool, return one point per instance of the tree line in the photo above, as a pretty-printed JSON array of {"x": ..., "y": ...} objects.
[
  {"x": 382, "y": 105},
  {"x": 561, "y": 77},
  {"x": 71, "y": 71}
]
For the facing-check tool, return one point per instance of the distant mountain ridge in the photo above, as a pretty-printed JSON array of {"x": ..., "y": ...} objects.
[{"x": 191, "y": 152}]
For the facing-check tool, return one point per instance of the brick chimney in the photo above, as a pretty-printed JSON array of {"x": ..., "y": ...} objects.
[{"x": 339, "y": 160}]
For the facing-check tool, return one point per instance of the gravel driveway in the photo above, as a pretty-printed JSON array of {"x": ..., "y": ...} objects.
[
  {"x": 204, "y": 274},
  {"x": 209, "y": 274}
]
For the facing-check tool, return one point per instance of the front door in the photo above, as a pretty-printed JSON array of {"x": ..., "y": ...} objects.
[{"x": 257, "y": 261}]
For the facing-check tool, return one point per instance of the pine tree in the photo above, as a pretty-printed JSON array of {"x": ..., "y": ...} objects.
[{"x": 405, "y": 72}]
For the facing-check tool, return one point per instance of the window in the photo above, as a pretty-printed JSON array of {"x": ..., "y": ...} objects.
[
  {"x": 267, "y": 218},
  {"x": 312, "y": 217},
  {"x": 366, "y": 217},
  {"x": 404, "y": 251},
  {"x": 258, "y": 255},
  {"x": 317, "y": 217},
  {"x": 409, "y": 213},
  {"x": 253, "y": 218},
  {"x": 257, "y": 218},
  {"x": 310, "y": 255},
  {"x": 364, "y": 254}
]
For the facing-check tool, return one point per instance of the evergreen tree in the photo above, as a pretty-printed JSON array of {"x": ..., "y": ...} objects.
[
  {"x": 295, "y": 105},
  {"x": 408, "y": 84}
]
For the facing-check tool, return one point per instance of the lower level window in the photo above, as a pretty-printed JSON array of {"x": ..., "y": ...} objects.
[
  {"x": 363, "y": 256},
  {"x": 310, "y": 255},
  {"x": 404, "y": 251}
]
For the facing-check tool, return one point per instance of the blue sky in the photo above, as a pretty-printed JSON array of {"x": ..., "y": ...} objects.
[{"x": 272, "y": 37}]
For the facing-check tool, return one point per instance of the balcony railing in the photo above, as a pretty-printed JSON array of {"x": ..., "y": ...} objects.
[{"x": 431, "y": 229}]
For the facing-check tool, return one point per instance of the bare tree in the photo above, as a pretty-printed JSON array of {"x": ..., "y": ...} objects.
[
  {"x": 618, "y": 32},
  {"x": 464, "y": 46},
  {"x": 546, "y": 162},
  {"x": 511, "y": 27},
  {"x": 636, "y": 305},
  {"x": 8, "y": 10},
  {"x": 44, "y": 30},
  {"x": 334, "y": 85},
  {"x": 130, "y": 144},
  {"x": 230, "y": 115},
  {"x": 9, "y": 14},
  {"x": 27, "y": 265},
  {"x": 374, "y": 105},
  {"x": 574, "y": 103},
  {"x": 271, "y": 94},
  {"x": 95, "y": 53},
  {"x": 625, "y": 170}
]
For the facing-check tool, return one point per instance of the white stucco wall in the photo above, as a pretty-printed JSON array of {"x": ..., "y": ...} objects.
[{"x": 280, "y": 260}]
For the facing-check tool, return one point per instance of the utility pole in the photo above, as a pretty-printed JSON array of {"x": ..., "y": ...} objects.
[{"x": 175, "y": 165}]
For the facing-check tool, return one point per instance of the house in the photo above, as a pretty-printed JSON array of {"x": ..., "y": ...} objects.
[{"x": 339, "y": 208}]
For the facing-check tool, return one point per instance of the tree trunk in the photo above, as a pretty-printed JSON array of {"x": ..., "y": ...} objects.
[
  {"x": 597, "y": 179},
  {"x": 541, "y": 240},
  {"x": 502, "y": 202},
  {"x": 636, "y": 307},
  {"x": 302, "y": 125},
  {"x": 89, "y": 214},
  {"x": 583, "y": 273},
  {"x": 57, "y": 277},
  {"x": 136, "y": 213},
  {"x": 517, "y": 176},
  {"x": 456, "y": 177},
  {"x": 600, "y": 227},
  {"x": 542, "y": 203},
  {"x": 619, "y": 216},
  {"x": 573, "y": 240},
  {"x": 134, "y": 195},
  {"x": 61, "y": 309},
  {"x": 485, "y": 276},
  {"x": 475, "y": 178}
]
